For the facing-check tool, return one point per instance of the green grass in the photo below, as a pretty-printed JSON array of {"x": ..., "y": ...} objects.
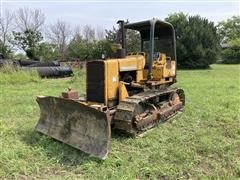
[
  {"x": 11, "y": 75},
  {"x": 203, "y": 141}
]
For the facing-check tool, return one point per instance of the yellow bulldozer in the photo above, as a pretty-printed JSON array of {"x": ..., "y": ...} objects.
[{"x": 128, "y": 93}]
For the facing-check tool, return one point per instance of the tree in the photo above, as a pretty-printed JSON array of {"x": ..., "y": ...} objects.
[
  {"x": 197, "y": 40},
  {"x": 89, "y": 33},
  {"x": 6, "y": 26},
  {"x": 19, "y": 56},
  {"x": 229, "y": 32},
  {"x": 84, "y": 45},
  {"x": 111, "y": 35},
  {"x": 59, "y": 34},
  {"x": 231, "y": 55},
  {"x": 47, "y": 51},
  {"x": 27, "y": 35},
  {"x": 29, "y": 19},
  {"x": 133, "y": 39},
  {"x": 88, "y": 43},
  {"x": 80, "y": 48},
  {"x": 100, "y": 33},
  {"x": 229, "y": 29},
  {"x": 77, "y": 48},
  {"x": 101, "y": 47},
  {"x": 29, "y": 42}
]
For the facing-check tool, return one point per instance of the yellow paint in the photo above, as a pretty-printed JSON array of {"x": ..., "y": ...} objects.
[
  {"x": 163, "y": 71},
  {"x": 111, "y": 80},
  {"x": 157, "y": 73},
  {"x": 139, "y": 76},
  {"x": 145, "y": 73},
  {"x": 169, "y": 72},
  {"x": 162, "y": 59},
  {"x": 112, "y": 69},
  {"x": 131, "y": 63},
  {"x": 122, "y": 91}
]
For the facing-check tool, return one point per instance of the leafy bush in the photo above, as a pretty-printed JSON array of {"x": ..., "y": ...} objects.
[
  {"x": 84, "y": 50},
  {"x": 5, "y": 51},
  {"x": 229, "y": 29},
  {"x": 28, "y": 41},
  {"x": 47, "y": 52},
  {"x": 231, "y": 55},
  {"x": 133, "y": 39}
]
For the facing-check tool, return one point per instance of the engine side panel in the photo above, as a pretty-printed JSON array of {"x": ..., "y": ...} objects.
[
  {"x": 112, "y": 80},
  {"x": 103, "y": 77}
]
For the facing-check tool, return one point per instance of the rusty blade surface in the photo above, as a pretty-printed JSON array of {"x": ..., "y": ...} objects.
[{"x": 75, "y": 124}]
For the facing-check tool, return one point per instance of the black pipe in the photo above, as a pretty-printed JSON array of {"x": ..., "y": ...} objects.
[
  {"x": 46, "y": 64},
  {"x": 123, "y": 36},
  {"x": 27, "y": 62},
  {"x": 57, "y": 71}
]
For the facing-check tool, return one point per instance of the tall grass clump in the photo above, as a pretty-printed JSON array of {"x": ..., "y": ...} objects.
[
  {"x": 15, "y": 75},
  {"x": 78, "y": 80},
  {"x": 79, "y": 75}
]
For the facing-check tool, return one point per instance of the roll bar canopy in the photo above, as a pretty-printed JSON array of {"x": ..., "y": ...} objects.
[{"x": 151, "y": 29}]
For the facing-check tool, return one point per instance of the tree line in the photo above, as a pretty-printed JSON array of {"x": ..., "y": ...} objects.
[
  {"x": 25, "y": 30},
  {"x": 199, "y": 41}
]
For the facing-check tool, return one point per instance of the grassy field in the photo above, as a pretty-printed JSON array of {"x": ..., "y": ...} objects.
[{"x": 203, "y": 141}]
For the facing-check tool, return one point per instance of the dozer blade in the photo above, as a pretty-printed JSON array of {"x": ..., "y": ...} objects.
[{"x": 75, "y": 124}]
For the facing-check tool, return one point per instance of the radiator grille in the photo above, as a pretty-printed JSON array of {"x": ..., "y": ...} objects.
[{"x": 95, "y": 81}]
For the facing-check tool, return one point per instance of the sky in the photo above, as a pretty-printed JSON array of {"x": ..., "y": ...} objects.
[{"x": 105, "y": 13}]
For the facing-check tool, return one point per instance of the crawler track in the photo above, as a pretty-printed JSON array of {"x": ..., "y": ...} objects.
[{"x": 145, "y": 110}]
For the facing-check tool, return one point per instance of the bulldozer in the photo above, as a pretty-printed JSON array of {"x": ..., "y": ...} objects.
[{"x": 128, "y": 93}]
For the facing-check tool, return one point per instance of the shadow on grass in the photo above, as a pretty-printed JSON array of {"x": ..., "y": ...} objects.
[
  {"x": 56, "y": 150},
  {"x": 63, "y": 153}
]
